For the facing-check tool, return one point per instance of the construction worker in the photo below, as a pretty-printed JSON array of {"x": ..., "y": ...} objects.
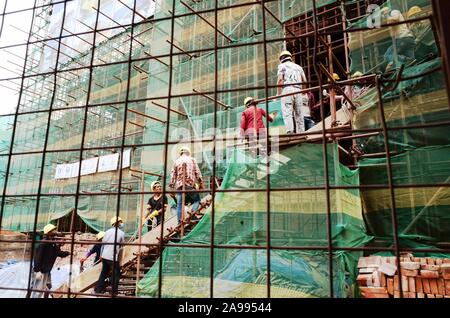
[
  {"x": 252, "y": 124},
  {"x": 294, "y": 107},
  {"x": 44, "y": 259},
  {"x": 403, "y": 42},
  {"x": 110, "y": 255},
  {"x": 155, "y": 205},
  {"x": 187, "y": 166},
  {"x": 96, "y": 249},
  {"x": 423, "y": 32},
  {"x": 338, "y": 99}
]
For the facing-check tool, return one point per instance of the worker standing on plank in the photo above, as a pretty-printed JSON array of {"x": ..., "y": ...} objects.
[
  {"x": 96, "y": 249},
  {"x": 252, "y": 124},
  {"x": 187, "y": 166},
  {"x": 403, "y": 41},
  {"x": 45, "y": 258},
  {"x": 294, "y": 107},
  {"x": 155, "y": 204},
  {"x": 110, "y": 256}
]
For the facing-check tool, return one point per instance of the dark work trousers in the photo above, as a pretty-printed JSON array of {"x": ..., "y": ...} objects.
[{"x": 107, "y": 266}]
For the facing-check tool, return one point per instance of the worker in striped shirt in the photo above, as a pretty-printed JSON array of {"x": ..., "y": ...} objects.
[{"x": 186, "y": 165}]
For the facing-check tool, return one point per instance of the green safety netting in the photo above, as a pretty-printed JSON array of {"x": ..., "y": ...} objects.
[
  {"x": 298, "y": 218},
  {"x": 423, "y": 213},
  {"x": 371, "y": 50}
]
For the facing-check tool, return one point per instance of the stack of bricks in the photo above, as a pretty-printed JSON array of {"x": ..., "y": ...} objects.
[{"x": 420, "y": 277}]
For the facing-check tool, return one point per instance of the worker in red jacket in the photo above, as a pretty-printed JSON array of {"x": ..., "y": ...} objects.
[{"x": 252, "y": 124}]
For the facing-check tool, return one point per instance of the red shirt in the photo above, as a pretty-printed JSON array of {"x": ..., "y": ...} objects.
[{"x": 251, "y": 116}]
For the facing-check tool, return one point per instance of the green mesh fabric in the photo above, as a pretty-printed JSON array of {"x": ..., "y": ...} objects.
[{"x": 296, "y": 220}]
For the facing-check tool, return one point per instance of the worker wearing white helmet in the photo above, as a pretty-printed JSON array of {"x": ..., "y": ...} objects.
[
  {"x": 186, "y": 166},
  {"x": 44, "y": 259},
  {"x": 156, "y": 205},
  {"x": 295, "y": 108},
  {"x": 110, "y": 255},
  {"x": 402, "y": 50}
]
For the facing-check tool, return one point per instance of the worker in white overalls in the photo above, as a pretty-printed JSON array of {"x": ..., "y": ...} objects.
[{"x": 294, "y": 107}]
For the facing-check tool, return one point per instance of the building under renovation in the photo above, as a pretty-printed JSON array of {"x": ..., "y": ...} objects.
[{"x": 106, "y": 92}]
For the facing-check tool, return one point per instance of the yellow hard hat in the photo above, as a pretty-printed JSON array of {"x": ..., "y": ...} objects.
[
  {"x": 248, "y": 101},
  {"x": 184, "y": 149},
  {"x": 48, "y": 228},
  {"x": 357, "y": 74},
  {"x": 100, "y": 235},
  {"x": 413, "y": 11},
  {"x": 115, "y": 219},
  {"x": 155, "y": 183},
  {"x": 336, "y": 77},
  {"x": 285, "y": 53}
]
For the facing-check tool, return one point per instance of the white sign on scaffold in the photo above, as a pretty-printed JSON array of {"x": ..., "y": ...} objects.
[{"x": 108, "y": 162}]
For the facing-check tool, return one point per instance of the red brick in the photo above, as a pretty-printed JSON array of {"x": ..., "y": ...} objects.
[
  {"x": 412, "y": 284},
  {"x": 409, "y": 272},
  {"x": 430, "y": 296},
  {"x": 390, "y": 286},
  {"x": 419, "y": 286},
  {"x": 441, "y": 286},
  {"x": 430, "y": 261},
  {"x": 420, "y": 295},
  {"x": 376, "y": 279},
  {"x": 367, "y": 270},
  {"x": 396, "y": 284},
  {"x": 429, "y": 274},
  {"x": 410, "y": 265},
  {"x": 439, "y": 296},
  {"x": 426, "y": 285},
  {"x": 423, "y": 260},
  {"x": 364, "y": 280},
  {"x": 383, "y": 280},
  {"x": 446, "y": 261},
  {"x": 374, "y": 295},
  {"x": 434, "y": 286},
  {"x": 405, "y": 283},
  {"x": 447, "y": 287},
  {"x": 438, "y": 261},
  {"x": 429, "y": 267},
  {"x": 371, "y": 261}
]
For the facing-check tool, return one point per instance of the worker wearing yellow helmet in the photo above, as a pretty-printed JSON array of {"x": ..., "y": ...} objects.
[
  {"x": 185, "y": 174},
  {"x": 402, "y": 50},
  {"x": 96, "y": 249},
  {"x": 112, "y": 242},
  {"x": 294, "y": 107},
  {"x": 413, "y": 12},
  {"x": 357, "y": 74},
  {"x": 44, "y": 259},
  {"x": 422, "y": 29},
  {"x": 156, "y": 206}
]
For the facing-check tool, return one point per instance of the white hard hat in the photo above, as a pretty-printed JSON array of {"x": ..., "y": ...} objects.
[
  {"x": 285, "y": 54},
  {"x": 248, "y": 101},
  {"x": 48, "y": 228},
  {"x": 184, "y": 149},
  {"x": 155, "y": 183}
]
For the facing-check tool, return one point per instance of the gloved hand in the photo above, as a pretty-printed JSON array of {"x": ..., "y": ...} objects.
[
  {"x": 325, "y": 93},
  {"x": 154, "y": 214},
  {"x": 82, "y": 260},
  {"x": 39, "y": 276}
]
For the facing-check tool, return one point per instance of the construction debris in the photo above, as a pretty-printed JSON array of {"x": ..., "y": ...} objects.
[{"x": 421, "y": 277}]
